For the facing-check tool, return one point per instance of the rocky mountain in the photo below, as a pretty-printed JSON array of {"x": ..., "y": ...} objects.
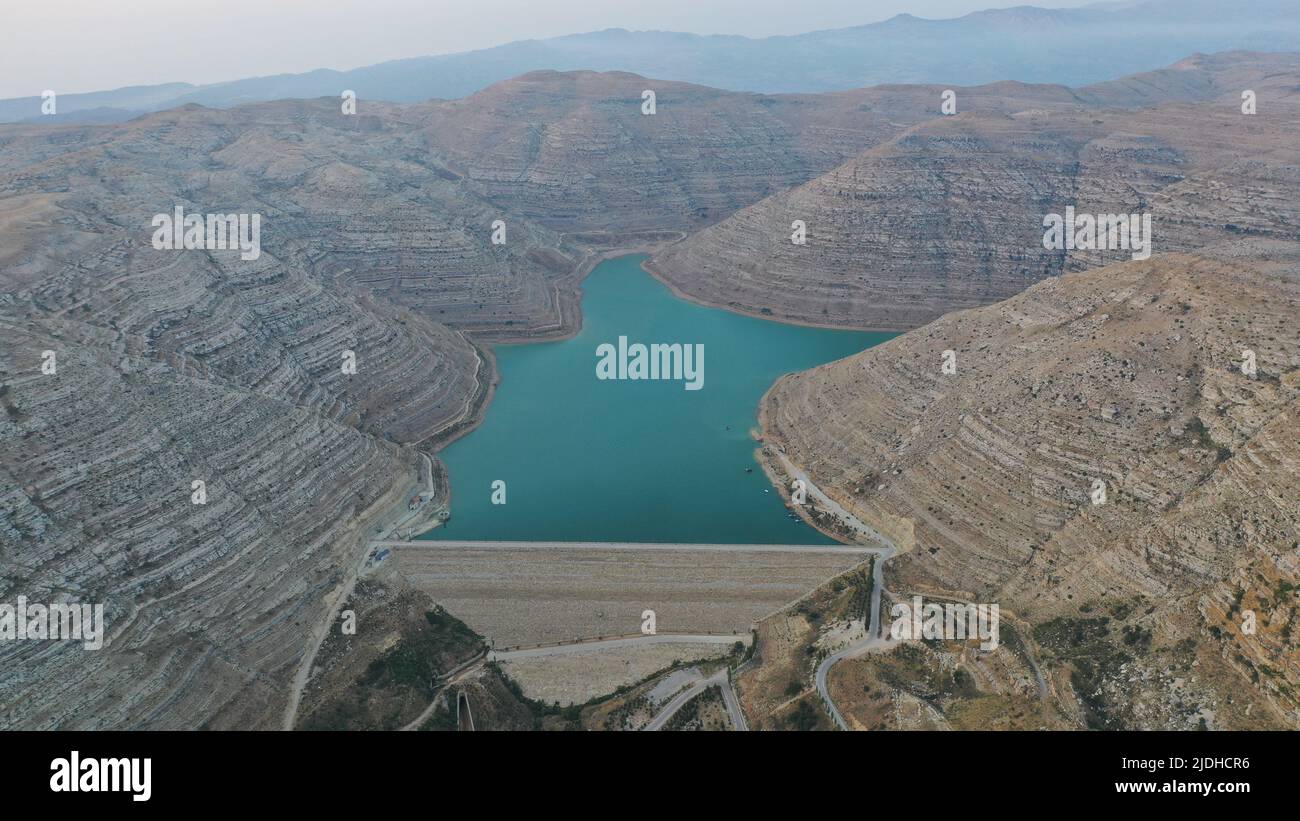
[
  {"x": 129, "y": 372},
  {"x": 1073, "y": 46},
  {"x": 1129, "y": 375},
  {"x": 172, "y": 365},
  {"x": 576, "y": 151},
  {"x": 949, "y": 214}
]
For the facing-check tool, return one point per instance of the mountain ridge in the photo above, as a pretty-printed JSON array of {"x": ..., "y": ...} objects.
[{"x": 996, "y": 44}]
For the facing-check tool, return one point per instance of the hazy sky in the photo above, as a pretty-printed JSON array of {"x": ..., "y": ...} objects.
[{"x": 91, "y": 45}]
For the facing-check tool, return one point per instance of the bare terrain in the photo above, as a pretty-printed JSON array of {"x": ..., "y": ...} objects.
[
  {"x": 184, "y": 366},
  {"x": 1129, "y": 375},
  {"x": 948, "y": 214},
  {"x": 578, "y": 677}
]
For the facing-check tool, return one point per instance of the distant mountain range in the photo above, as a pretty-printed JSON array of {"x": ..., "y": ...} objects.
[{"x": 1069, "y": 46}]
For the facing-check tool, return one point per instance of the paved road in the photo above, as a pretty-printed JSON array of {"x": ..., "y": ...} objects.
[
  {"x": 316, "y": 638},
  {"x": 875, "y": 638},
  {"x": 738, "y": 722},
  {"x": 398, "y": 518},
  {"x": 863, "y": 529},
  {"x": 627, "y": 641},
  {"x": 607, "y": 546},
  {"x": 718, "y": 679}
]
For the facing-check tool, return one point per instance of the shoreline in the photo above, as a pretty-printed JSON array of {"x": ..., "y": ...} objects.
[
  {"x": 770, "y": 454},
  {"x": 488, "y": 377},
  {"x": 569, "y": 327},
  {"x": 802, "y": 323},
  {"x": 570, "y": 324},
  {"x": 483, "y": 345},
  {"x": 776, "y": 474}
]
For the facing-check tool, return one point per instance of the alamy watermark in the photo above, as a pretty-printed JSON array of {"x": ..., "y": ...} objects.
[
  {"x": 211, "y": 232},
  {"x": 950, "y": 621},
  {"x": 128, "y": 775},
  {"x": 63, "y": 621},
  {"x": 1099, "y": 232},
  {"x": 655, "y": 361}
]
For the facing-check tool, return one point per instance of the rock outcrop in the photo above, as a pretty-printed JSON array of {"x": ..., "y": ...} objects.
[
  {"x": 176, "y": 366},
  {"x": 129, "y": 373},
  {"x": 950, "y": 214},
  {"x": 1126, "y": 379},
  {"x": 575, "y": 152}
]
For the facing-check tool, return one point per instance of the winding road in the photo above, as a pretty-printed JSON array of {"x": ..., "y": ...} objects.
[
  {"x": 874, "y": 640},
  {"x": 719, "y": 680},
  {"x": 320, "y": 630}
]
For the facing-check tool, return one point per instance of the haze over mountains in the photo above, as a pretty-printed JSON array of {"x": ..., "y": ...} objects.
[
  {"x": 1073, "y": 47},
  {"x": 176, "y": 365}
]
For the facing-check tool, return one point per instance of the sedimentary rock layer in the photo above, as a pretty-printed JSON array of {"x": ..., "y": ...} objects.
[
  {"x": 949, "y": 214},
  {"x": 206, "y": 605},
  {"x": 1129, "y": 376},
  {"x": 176, "y": 366},
  {"x": 573, "y": 150}
]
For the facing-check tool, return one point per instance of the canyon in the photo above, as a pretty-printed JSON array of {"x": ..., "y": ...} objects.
[
  {"x": 194, "y": 364},
  {"x": 376, "y": 239}
]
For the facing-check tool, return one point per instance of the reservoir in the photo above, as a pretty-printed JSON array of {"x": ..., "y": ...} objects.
[{"x": 591, "y": 459}]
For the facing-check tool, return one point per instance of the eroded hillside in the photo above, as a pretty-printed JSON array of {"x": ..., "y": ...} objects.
[
  {"x": 166, "y": 368},
  {"x": 949, "y": 214},
  {"x": 1129, "y": 375},
  {"x": 576, "y": 151},
  {"x": 175, "y": 366},
  {"x": 128, "y": 373}
]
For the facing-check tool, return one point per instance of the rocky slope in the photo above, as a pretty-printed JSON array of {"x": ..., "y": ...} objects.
[
  {"x": 182, "y": 365},
  {"x": 356, "y": 200},
  {"x": 1129, "y": 375},
  {"x": 205, "y": 605},
  {"x": 573, "y": 150},
  {"x": 176, "y": 366},
  {"x": 949, "y": 214}
]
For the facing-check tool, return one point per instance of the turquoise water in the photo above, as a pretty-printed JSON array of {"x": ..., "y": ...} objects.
[{"x": 644, "y": 461}]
